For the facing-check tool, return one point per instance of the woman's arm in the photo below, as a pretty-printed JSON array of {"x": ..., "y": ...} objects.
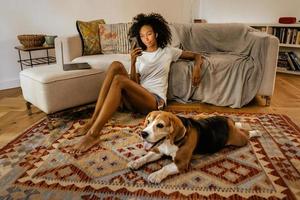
[
  {"x": 197, "y": 67},
  {"x": 133, "y": 75}
]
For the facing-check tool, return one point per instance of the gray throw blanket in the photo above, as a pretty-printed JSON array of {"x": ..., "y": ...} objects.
[{"x": 232, "y": 70}]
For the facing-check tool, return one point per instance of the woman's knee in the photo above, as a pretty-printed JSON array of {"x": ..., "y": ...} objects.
[
  {"x": 117, "y": 67},
  {"x": 119, "y": 80}
]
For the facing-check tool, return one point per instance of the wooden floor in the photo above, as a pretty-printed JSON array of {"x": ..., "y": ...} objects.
[{"x": 286, "y": 100}]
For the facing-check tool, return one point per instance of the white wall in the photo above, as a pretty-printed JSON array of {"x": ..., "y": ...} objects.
[
  {"x": 58, "y": 17},
  {"x": 254, "y": 11}
]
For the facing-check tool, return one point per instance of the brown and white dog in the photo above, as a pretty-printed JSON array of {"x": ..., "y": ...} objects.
[{"x": 180, "y": 138}]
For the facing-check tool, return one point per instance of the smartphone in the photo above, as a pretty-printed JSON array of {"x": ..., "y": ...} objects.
[{"x": 134, "y": 43}]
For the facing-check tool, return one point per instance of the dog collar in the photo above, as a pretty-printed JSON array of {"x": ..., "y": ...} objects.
[{"x": 179, "y": 141}]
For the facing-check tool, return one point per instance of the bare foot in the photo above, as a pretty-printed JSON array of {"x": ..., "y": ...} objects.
[
  {"x": 82, "y": 130},
  {"x": 88, "y": 141}
]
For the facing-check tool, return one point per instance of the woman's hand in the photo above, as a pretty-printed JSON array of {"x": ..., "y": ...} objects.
[
  {"x": 197, "y": 66},
  {"x": 135, "y": 53},
  {"x": 196, "y": 75}
]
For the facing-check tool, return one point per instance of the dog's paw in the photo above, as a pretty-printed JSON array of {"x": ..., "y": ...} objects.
[
  {"x": 134, "y": 164},
  {"x": 156, "y": 177},
  {"x": 255, "y": 133}
]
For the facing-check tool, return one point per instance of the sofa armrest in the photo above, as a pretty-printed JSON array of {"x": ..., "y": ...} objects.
[
  {"x": 270, "y": 63},
  {"x": 67, "y": 48}
]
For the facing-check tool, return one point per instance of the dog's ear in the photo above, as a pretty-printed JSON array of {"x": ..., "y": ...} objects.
[{"x": 177, "y": 129}]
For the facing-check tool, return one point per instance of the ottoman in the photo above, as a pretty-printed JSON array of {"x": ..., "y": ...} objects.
[{"x": 51, "y": 89}]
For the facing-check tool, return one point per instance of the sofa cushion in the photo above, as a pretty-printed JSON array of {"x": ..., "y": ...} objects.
[
  {"x": 175, "y": 38},
  {"x": 53, "y": 73},
  {"x": 89, "y": 34},
  {"x": 114, "y": 38},
  {"x": 103, "y": 61},
  {"x": 51, "y": 89}
]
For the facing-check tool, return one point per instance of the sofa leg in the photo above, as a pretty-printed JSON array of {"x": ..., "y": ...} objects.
[
  {"x": 28, "y": 106},
  {"x": 268, "y": 100}
]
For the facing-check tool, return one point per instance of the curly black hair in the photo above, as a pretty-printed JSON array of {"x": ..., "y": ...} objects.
[{"x": 158, "y": 24}]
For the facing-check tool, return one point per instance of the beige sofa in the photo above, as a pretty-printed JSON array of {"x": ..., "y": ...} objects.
[{"x": 51, "y": 89}]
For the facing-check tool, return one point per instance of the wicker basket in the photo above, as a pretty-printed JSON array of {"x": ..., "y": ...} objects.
[{"x": 31, "y": 40}]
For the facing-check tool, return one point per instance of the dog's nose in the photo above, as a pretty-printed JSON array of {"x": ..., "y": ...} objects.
[{"x": 144, "y": 134}]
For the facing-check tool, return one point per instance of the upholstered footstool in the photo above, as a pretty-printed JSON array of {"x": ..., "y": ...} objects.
[{"x": 51, "y": 89}]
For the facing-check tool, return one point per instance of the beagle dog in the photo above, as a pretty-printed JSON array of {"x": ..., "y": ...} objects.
[{"x": 180, "y": 138}]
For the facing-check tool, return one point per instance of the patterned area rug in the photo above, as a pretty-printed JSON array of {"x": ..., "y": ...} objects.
[{"x": 36, "y": 165}]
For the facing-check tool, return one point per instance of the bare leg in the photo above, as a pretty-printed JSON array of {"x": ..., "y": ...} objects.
[
  {"x": 114, "y": 69},
  {"x": 142, "y": 101}
]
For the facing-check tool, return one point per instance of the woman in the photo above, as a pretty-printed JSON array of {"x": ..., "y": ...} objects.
[{"x": 145, "y": 89}]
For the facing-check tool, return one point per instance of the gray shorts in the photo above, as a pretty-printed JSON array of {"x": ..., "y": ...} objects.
[{"x": 159, "y": 102}]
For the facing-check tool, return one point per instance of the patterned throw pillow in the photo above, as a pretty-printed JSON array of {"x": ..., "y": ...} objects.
[
  {"x": 114, "y": 38},
  {"x": 89, "y": 34}
]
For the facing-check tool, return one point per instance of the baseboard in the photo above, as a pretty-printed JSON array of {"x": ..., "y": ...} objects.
[{"x": 9, "y": 84}]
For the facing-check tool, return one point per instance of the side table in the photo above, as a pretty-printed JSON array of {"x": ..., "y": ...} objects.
[{"x": 35, "y": 61}]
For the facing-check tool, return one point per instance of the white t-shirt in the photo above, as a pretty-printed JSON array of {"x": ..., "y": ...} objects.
[{"x": 154, "y": 69}]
